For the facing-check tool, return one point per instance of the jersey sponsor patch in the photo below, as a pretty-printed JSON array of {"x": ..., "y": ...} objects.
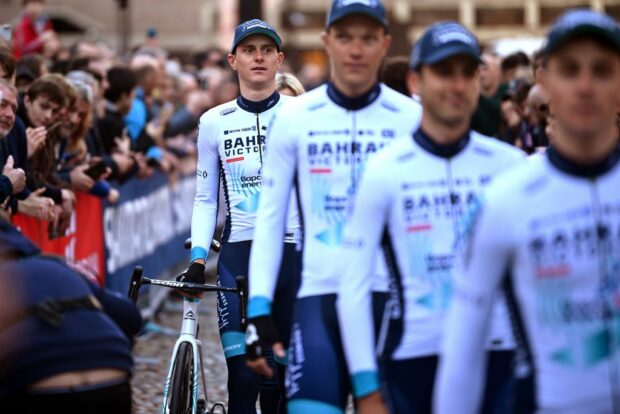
[
  {"x": 236, "y": 159},
  {"x": 227, "y": 111}
]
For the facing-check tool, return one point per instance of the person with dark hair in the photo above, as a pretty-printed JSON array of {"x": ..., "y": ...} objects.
[
  {"x": 40, "y": 112},
  {"x": 7, "y": 65},
  {"x": 42, "y": 103},
  {"x": 487, "y": 118},
  {"x": 516, "y": 66},
  {"x": 514, "y": 127},
  {"x": 119, "y": 97},
  {"x": 74, "y": 349},
  {"x": 394, "y": 74},
  {"x": 29, "y": 68}
]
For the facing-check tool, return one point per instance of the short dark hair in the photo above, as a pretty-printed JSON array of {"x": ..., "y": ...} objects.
[
  {"x": 7, "y": 62},
  {"x": 515, "y": 60},
  {"x": 47, "y": 87},
  {"x": 121, "y": 80},
  {"x": 394, "y": 73},
  {"x": 32, "y": 63}
]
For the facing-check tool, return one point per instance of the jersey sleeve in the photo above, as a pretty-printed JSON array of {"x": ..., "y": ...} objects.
[
  {"x": 362, "y": 239},
  {"x": 204, "y": 214},
  {"x": 483, "y": 262},
  {"x": 277, "y": 181}
]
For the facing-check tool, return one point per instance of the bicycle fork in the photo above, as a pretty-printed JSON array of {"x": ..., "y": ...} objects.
[{"x": 189, "y": 330}]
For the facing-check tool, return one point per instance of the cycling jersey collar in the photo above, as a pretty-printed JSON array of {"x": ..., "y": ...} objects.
[
  {"x": 260, "y": 106},
  {"x": 443, "y": 151},
  {"x": 353, "y": 104},
  {"x": 585, "y": 171}
]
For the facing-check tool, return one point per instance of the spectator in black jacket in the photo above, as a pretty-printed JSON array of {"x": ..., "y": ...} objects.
[
  {"x": 119, "y": 97},
  {"x": 12, "y": 180},
  {"x": 74, "y": 359}
]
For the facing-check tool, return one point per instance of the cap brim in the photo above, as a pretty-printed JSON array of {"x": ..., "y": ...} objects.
[
  {"x": 259, "y": 31},
  {"x": 581, "y": 30},
  {"x": 355, "y": 9},
  {"x": 449, "y": 51}
]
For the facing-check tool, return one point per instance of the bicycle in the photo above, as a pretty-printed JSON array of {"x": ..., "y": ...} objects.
[{"x": 181, "y": 386}]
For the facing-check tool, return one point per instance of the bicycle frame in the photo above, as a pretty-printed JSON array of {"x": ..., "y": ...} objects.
[
  {"x": 189, "y": 330},
  {"x": 189, "y": 327}
]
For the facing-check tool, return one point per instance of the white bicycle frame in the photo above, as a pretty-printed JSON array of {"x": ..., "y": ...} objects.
[{"x": 189, "y": 330}]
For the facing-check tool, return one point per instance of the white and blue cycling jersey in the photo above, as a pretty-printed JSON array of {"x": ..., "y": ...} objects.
[
  {"x": 231, "y": 148},
  {"x": 320, "y": 142},
  {"x": 547, "y": 232},
  {"x": 413, "y": 200}
]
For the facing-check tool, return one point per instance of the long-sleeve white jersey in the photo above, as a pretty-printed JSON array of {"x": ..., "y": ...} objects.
[
  {"x": 321, "y": 141},
  {"x": 549, "y": 233},
  {"x": 413, "y": 200},
  {"x": 231, "y": 146}
]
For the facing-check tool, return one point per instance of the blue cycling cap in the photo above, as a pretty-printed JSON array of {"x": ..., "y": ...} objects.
[
  {"x": 253, "y": 27},
  {"x": 343, "y": 8},
  {"x": 442, "y": 41},
  {"x": 582, "y": 22}
]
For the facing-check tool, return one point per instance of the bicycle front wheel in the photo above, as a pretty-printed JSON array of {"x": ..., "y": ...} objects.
[{"x": 181, "y": 392}]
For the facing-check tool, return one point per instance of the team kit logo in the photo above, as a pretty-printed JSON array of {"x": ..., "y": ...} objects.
[
  {"x": 583, "y": 312},
  {"x": 341, "y": 160},
  {"x": 243, "y": 156},
  {"x": 431, "y": 210}
]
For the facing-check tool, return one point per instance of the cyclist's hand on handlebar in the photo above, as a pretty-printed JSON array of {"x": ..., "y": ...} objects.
[
  {"x": 260, "y": 334},
  {"x": 195, "y": 273}
]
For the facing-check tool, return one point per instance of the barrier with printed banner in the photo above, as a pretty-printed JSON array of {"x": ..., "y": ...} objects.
[
  {"x": 83, "y": 242},
  {"x": 146, "y": 227}
]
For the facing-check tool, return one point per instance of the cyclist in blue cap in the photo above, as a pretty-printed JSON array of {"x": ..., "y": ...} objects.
[
  {"x": 231, "y": 151},
  {"x": 321, "y": 141},
  {"x": 548, "y": 234},
  {"x": 413, "y": 200}
]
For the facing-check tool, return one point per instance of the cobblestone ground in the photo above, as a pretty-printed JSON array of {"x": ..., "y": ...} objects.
[{"x": 153, "y": 350}]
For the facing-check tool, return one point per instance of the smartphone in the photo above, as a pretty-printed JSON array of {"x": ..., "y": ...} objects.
[
  {"x": 6, "y": 33},
  {"x": 95, "y": 171}
]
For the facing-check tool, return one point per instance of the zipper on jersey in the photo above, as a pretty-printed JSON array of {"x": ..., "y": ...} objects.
[
  {"x": 607, "y": 285},
  {"x": 354, "y": 159},
  {"x": 260, "y": 144}
]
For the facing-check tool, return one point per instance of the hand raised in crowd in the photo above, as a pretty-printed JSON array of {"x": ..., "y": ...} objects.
[
  {"x": 64, "y": 212},
  {"x": 123, "y": 145},
  {"x": 36, "y": 138},
  {"x": 37, "y": 206},
  {"x": 144, "y": 170},
  {"x": 124, "y": 162},
  {"x": 80, "y": 181},
  {"x": 168, "y": 162},
  {"x": 17, "y": 176}
]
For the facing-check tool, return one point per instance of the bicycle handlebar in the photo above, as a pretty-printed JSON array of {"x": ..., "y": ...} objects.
[{"x": 137, "y": 280}]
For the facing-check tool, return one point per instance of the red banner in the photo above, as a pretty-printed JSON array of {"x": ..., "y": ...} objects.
[{"x": 82, "y": 244}]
